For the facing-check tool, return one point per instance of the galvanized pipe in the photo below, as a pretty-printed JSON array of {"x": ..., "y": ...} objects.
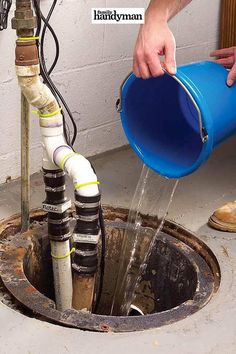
[
  {"x": 25, "y": 174},
  {"x": 83, "y": 292}
]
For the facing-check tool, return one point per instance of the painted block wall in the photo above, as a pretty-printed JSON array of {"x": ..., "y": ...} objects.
[{"x": 94, "y": 60}]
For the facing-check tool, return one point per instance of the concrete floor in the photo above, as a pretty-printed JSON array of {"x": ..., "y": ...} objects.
[{"x": 211, "y": 330}]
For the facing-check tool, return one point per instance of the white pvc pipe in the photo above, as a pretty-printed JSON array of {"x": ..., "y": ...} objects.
[
  {"x": 47, "y": 163},
  {"x": 75, "y": 165},
  {"x": 62, "y": 274}
]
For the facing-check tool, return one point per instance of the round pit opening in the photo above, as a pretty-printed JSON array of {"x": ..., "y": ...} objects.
[{"x": 180, "y": 278}]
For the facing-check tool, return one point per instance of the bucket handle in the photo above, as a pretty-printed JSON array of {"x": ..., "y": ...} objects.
[
  {"x": 119, "y": 100},
  {"x": 202, "y": 130}
]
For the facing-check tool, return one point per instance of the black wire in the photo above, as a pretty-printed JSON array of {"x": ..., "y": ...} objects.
[
  {"x": 43, "y": 68},
  {"x": 57, "y": 93},
  {"x": 55, "y": 39},
  {"x": 49, "y": 81},
  {"x": 45, "y": 73},
  {"x": 103, "y": 255},
  {"x": 45, "y": 27}
]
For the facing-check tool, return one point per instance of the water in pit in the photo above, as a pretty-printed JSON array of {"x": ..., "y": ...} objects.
[{"x": 153, "y": 196}]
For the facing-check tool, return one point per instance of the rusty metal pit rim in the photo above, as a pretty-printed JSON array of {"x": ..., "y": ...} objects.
[{"x": 12, "y": 273}]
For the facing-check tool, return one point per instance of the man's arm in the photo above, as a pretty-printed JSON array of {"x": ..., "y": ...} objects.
[{"x": 155, "y": 39}]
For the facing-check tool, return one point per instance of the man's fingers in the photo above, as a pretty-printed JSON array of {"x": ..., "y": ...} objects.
[
  {"x": 154, "y": 65},
  {"x": 149, "y": 47},
  {"x": 136, "y": 69},
  {"x": 154, "y": 40},
  {"x": 227, "y": 58},
  {"x": 144, "y": 70},
  {"x": 147, "y": 66},
  {"x": 170, "y": 61},
  {"x": 155, "y": 68},
  {"x": 227, "y": 62},
  {"x": 232, "y": 76},
  {"x": 222, "y": 52}
]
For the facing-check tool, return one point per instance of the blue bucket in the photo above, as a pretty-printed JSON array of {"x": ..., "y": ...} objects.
[{"x": 174, "y": 122}]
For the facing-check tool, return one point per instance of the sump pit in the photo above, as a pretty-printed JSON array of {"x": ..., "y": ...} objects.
[{"x": 181, "y": 277}]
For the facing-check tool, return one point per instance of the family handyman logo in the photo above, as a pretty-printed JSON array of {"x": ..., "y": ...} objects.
[{"x": 117, "y": 15}]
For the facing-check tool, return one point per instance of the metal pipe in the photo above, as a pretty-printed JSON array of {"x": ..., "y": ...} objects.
[
  {"x": 24, "y": 23},
  {"x": 25, "y": 174},
  {"x": 83, "y": 292}
]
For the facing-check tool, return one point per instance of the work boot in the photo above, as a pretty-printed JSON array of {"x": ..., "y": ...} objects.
[{"x": 224, "y": 218}]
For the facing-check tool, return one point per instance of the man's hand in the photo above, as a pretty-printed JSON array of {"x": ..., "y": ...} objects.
[
  {"x": 154, "y": 39},
  {"x": 227, "y": 57}
]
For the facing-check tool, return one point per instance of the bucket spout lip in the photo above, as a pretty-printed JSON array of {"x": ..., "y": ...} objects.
[
  {"x": 205, "y": 124},
  {"x": 171, "y": 172}
]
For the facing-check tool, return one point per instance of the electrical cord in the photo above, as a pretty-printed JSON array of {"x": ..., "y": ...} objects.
[
  {"x": 46, "y": 73},
  {"x": 43, "y": 70},
  {"x": 103, "y": 254},
  {"x": 55, "y": 39},
  {"x": 102, "y": 262},
  {"x": 5, "y": 6}
]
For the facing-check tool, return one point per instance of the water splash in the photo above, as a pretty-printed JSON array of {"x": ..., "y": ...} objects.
[{"x": 153, "y": 196}]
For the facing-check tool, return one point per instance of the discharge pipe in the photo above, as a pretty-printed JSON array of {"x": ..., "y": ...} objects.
[
  {"x": 86, "y": 237},
  {"x": 59, "y": 157}
]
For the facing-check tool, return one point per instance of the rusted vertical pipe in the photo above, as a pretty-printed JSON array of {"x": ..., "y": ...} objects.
[
  {"x": 25, "y": 174},
  {"x": 24, "y": 22},
  {"x": 83, "y": 292}
]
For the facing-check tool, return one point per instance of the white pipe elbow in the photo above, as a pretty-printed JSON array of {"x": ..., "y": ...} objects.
[
  {"x": 77, "y": 166},
  {"x": 79, "y": 169},
  {"x": 84, "y": 179}
]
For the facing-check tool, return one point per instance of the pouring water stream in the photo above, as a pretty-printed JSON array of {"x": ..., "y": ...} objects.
[{"x": 153, "y": 196}]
